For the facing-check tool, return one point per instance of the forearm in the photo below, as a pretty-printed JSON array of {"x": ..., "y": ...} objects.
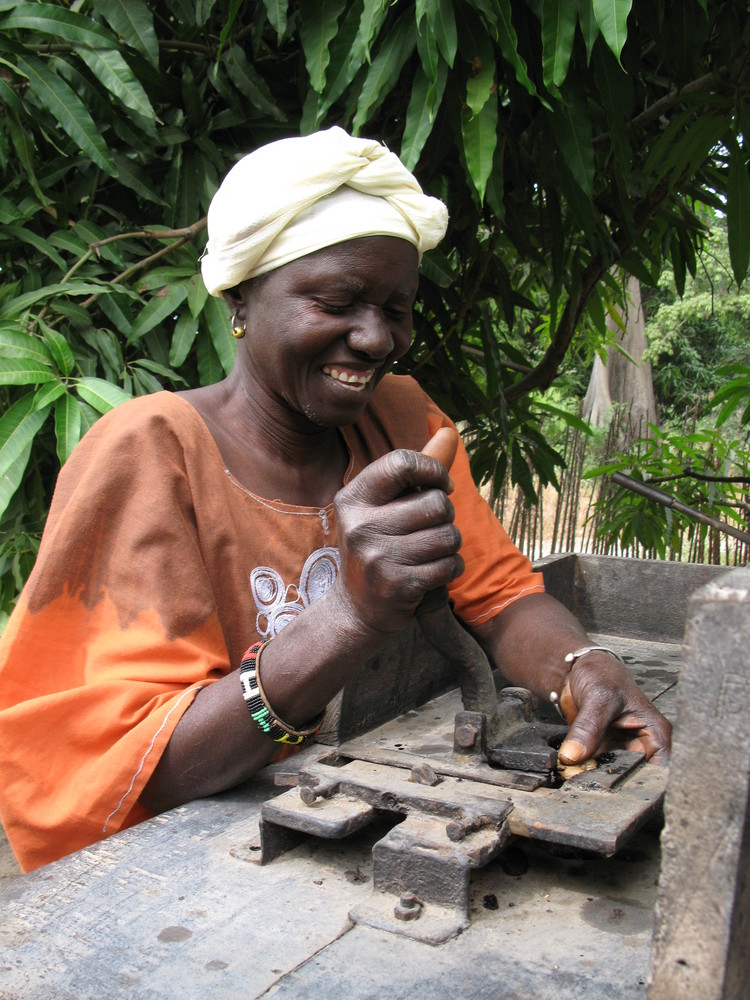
[
  {"x": 217, "y": 745},
  {"x": 528, "y": 642}
]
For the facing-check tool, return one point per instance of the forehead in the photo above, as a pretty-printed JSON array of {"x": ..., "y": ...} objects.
[{"x": 385, "y": 263}]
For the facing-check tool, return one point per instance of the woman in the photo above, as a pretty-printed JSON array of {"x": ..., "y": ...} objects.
[{"x": 288, "y": 502}]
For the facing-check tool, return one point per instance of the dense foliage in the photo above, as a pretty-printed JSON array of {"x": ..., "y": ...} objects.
[
  {"x": 699, "y": 456},
  {"x": 566, "y": 137}
]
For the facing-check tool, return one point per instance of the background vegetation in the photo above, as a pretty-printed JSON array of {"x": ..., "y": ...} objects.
[{"x": 568, "y": 137}]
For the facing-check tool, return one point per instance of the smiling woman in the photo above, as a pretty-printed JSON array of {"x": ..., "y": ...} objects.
[
  {"x": 290, "y": 502},
  {"x": 334, "y": 320}
]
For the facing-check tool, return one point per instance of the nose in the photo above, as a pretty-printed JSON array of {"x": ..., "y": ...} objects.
[{"x": 371, "y": 333}]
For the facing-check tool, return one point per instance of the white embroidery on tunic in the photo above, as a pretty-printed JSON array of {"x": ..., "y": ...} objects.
[{"x": 278, "y": 603}]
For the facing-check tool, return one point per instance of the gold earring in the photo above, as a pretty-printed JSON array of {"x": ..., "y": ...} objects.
[{"x": 238, "y": 327}]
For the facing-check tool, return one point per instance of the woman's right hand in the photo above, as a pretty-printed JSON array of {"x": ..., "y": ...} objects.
[{"x": 396, "y": 539}]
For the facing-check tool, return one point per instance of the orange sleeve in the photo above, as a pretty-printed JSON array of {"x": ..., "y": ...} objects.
[
  {"x": 94, "y": 672},
  {"x": 496, "y": 573}
]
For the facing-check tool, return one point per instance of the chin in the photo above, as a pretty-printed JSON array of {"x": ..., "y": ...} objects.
[{"x": 329, "y": 418}]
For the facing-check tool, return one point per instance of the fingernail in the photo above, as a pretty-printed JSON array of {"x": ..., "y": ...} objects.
[
  {"x": 571, "y": 752},
  {"x": 451, "y": 486}
]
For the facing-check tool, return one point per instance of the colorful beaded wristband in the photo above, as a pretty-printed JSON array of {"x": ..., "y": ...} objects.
[{"x": 260, "y": 710}]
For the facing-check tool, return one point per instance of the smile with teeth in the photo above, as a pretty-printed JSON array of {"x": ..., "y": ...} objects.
[{"x": 356, "y": 381}]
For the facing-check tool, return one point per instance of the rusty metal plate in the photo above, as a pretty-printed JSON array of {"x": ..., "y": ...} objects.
[{"x": 453, "y": 806}]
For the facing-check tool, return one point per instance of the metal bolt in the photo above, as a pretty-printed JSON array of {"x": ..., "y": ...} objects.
[
  {"x": 466, "y": 736},
  {"x": 424, "y": 774},
  {"x": 408, "y": 907},
  {"x": 456, "y": 829},
  {"x": 315, "y": 788},
  {"x": 308, "y": 794}
]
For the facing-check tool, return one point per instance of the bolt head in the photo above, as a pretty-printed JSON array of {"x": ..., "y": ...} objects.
[
  {"x": 466, "y": 736},
  {"x": 408, "y": 907}
]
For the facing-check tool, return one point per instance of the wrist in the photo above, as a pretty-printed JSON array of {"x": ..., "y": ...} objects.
[
  {"x": 352, "y": 621},
  {"x": 569, "y": 661}
]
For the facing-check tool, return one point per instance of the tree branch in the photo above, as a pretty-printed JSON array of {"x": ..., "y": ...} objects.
[
  {"x": 542, "y": 376},
  {"x": 666, "y": 103},
  {"x": 181, "y": 237},
  {"x": 689, "y": 473}
]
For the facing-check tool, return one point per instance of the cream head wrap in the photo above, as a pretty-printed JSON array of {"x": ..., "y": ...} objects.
[{"x": 295, "y": 196}]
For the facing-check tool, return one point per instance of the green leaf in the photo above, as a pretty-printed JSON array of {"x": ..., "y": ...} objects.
[
  {"x": 67, "y": 109},
  {"x": 420, "y": 115},
  {"x": 442, "y": 20},
  {"x": 19, "y": 304},
  {"x": 374, "y": 13},
  {"x": 480, "y": 140},
  {"x": 318, "y": 23},
  {"x": 18, "y": 427},
  {"x": 203, "y": 9},
  {"x": 183, "y": 338},
  {"x": 616, "y": 90},
  {"x": 385, "y": 69},
  {"x": 59, "y": 23},
  {"x": 9, "y": 97},
  {"x": 612, "y": 18},
  {"x": 24, "y": 148},
  {"x": 25, "y": 235},
  {"x": 436, "y": 268},
  {"x": 144, "y": 382},
  {"x": 277, "y": 15},
  {"x": 14, "y": 344},
  {"x": 23, "y": 371},
  {"x": 738, "y": 210},
  {"x": 60, "y": 350},
  {"x": 342, "y": 69},
  {"x": 428, "y": 51},
  {"x": 68, "y": 242},
  {"x": 571, "y": 419},
  {"x": 109, "y": 67},
  {"x": 571, "y": 127},
  {"x": 476, "y": 49},
  {"x": 250, "y": 83},
  {"x": 508, "y": 41},
  {"x": 10, "y": 480},
  {"x": 197, "y": 295},
  {"x": 157, "y": 309},
  {"x": 103, "y": 396},
  {"x": 89, "y": 417},
  {"x": 112, "y": 309},
  {"x": 589, "y": 27},
  {"x": 216, "y": 318},
  {"x": 48, "y": 394},
  {"x": 133, "y": 21},
  {"x": 67, "y": 426},
  {"x": 159, "y": 369},
  {"x": 559, "y": 19},
  {"x": 131, "y": 175},
  {"x": 209, "y": 366}
]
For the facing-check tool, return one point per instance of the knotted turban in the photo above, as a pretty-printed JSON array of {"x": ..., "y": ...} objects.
[{"x": 295, "y": 196}]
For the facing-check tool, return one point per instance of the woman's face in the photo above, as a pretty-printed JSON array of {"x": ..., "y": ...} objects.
[{"x": 323, "y": 330}]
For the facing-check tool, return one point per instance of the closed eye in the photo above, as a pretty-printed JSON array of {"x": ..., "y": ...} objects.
[
  {"x": 331, "y": 308},
  {"x": 397, "y": 314}
]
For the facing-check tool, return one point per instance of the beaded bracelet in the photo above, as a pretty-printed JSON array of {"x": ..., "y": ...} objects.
[{"x": 259, "y": 708}]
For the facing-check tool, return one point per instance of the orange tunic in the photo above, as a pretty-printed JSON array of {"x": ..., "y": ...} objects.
[{"x": 156, "y": 571}]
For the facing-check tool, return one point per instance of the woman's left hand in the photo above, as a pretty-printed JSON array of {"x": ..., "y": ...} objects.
[
  {"x": 528, "y": 642},
  {"x": 607, "y": 710}
]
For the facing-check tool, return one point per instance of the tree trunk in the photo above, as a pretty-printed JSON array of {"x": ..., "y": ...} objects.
[{"x": 621, "y": 380}]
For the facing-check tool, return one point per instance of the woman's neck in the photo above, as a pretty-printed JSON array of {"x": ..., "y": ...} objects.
[{"x": 268, "y": 449}]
